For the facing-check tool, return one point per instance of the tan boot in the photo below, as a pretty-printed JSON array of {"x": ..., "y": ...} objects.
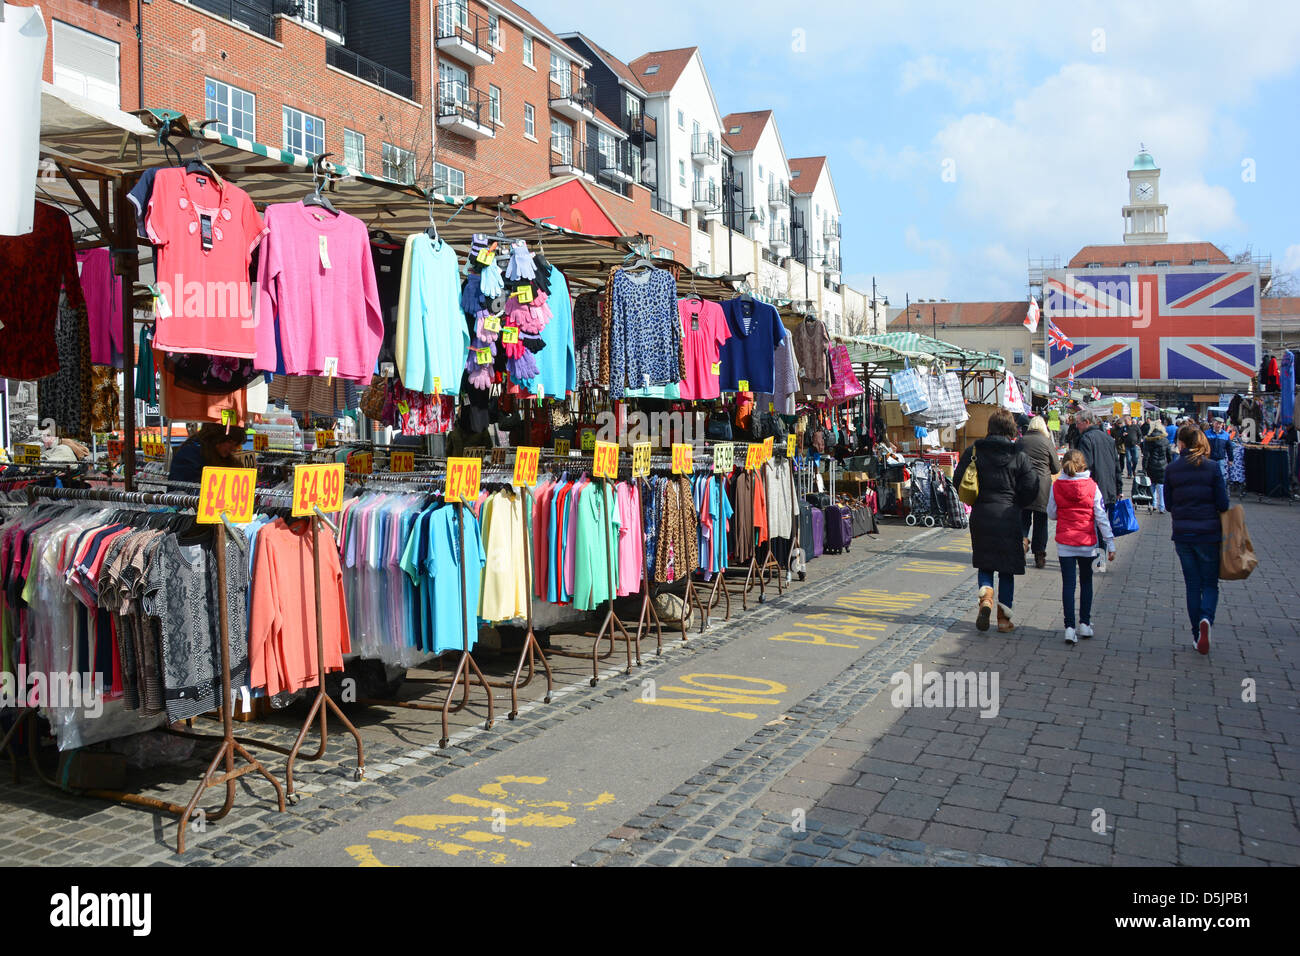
[
  {"x": 1005, "y": 623},
  {"x": 985, "y": 609}
]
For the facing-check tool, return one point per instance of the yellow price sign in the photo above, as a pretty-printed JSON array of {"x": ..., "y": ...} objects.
[
  {"x": 401, "y": 461},
  {"x": 683, "y": 459},
  {"x": 486, "y": 256},
  {"x": 498, "y": 456},
  {"x": 743, "y": 385},
  {"x": 724, "y": 458},
  {"x": 753, "y": 456},
  {"x": 492, "y": 323},
  {"x": 317, "y": 486},
  {"x": 562, "y": 447},
  {"x": 361, "y": 463},
  {"x": 483, "y": 356},
  {"x": 606, "y": 461},
  {"x": 462, "y": 479},
  {"x": 1117, "y": 408},
  {"x": 1135, "y": 410},
  {"x": 114, "y": 448},
  {"x": 510, "y": 334},
  {"x": 28, "y": 453},
  {"x": 227, "y": 417},
  {"x": 641, "y": 459},
  {"x": 227, "y": 491},
  {"x": 588, "y": 436},
  {"x": 437, "y": 387},
  {"x": 767, "y": 448},
  {"x": 791, "y": 441},
  {"x": 526, "y": 459},
  {"x": 324, "y": 437},
  {"x": 261, "y": 441},
  {"x": 524, "y": 294}
]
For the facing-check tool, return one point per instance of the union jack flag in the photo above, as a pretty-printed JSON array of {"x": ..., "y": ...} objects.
[
  {"x": 1059, "y": 340},
  {"x": 1189, "y": 323},
  {"x": 1096, "y": 393}
]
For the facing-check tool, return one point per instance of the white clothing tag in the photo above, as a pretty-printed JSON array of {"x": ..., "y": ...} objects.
[
  {"x": 387, "y": 369},
  {"x": 324, "y": 252},
  {"x": 331, "y": 367},
  {"x": 164, "y": 310}
]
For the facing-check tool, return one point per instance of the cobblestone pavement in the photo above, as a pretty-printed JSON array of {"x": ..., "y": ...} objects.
[{"x": 1129, "y": 748}]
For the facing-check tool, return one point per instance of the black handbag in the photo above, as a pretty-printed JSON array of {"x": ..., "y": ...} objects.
[{"x": 718, "y": 427}]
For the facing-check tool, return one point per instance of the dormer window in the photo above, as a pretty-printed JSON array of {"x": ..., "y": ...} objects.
[{"x": 651, "y": 70}]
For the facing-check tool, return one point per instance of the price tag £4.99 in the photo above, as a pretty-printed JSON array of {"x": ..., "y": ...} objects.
[
  {"x": 317, "y": 486},
  {"x": 462, "y": 479},
  {"x": 683, "y": 459},
  {"x": 227, "y": 491}
]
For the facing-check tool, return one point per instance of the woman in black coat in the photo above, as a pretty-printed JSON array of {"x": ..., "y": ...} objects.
[
  {"x": 1008, "y": 483},
  {"x": 1155, "y": 459}
]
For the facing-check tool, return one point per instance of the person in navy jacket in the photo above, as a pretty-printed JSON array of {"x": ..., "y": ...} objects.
[{"x": 1196, "y": 494}]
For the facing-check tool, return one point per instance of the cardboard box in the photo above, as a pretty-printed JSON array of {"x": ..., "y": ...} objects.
[{"x": 893, "y": 414}]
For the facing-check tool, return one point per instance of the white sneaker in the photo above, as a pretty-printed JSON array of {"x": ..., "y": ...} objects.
[
  {"x": 1085, "y": 630},
  {"x": 1099, "y": 564},
  {"x": 1070, "y": 636}
]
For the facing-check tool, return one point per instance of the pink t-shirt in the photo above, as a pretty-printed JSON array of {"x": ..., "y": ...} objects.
[
  {"x": 317, "y": 278},
  {"x": 205, "y": 237},
  {"x": 103, "y": 292},
  {"x": 704, "y": 329}
]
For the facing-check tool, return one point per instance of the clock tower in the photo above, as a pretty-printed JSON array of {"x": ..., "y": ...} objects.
[{"x": 1144, "y": 216}]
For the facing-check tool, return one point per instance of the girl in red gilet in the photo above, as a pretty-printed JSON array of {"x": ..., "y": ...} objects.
[{"x": 1077, "y": 507}]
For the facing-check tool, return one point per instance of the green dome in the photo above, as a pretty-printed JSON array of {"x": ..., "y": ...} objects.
[{"x": 1143, "y": 160}]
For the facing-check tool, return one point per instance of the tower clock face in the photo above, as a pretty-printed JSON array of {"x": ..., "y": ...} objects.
[{"x": 1145, "y": 191}]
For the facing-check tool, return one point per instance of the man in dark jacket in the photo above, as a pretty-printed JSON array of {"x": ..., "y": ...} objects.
[
  {"x": 1132, "y": 437},
  {"x": 1099, "y": 451}
]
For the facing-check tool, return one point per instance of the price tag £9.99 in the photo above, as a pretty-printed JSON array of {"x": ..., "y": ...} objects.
[
  {"x": 462, "y": 479},
  {"x": 227, "y": 491},
  {"x": 317, "y": 486}
]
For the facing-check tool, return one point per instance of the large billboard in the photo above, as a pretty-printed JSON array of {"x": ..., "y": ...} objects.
[{"x": 1162, "y": 326}]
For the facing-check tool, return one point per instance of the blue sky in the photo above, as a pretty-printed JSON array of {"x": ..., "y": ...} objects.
[{"x": 1036, "y": 108}]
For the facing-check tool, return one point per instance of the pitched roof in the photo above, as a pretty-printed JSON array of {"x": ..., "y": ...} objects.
[
  {"x": 751, "y": 128},
  {"x": 1175, "y": 253},
  {"x": 552, "y": 38},
  {"x": 619, "y": 68},
  {"x": 961, "y": 315},
  {"x": 670, "y": 63},
  {"x": 805, "y": 172}
]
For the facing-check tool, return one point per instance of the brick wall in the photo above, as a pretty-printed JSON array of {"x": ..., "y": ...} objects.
[{"x": 111, "y": 19}]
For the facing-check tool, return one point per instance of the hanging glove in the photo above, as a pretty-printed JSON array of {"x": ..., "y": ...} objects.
[
  {"x": 471, "y": 296},
  {"x": 520, "y": 265},
  {"x": 481, "y": 331},
  {"x": 523, "y": 368},
  {"x": 490, "y": 281}
]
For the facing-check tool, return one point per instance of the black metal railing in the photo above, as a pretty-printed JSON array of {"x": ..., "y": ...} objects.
[
  {"x": 616, "y": 164},
  {"x": 705, "y": 144},
  {"x": 707, "y": 193},
  {"x": 832, "y": 263},
  {"x": 831, "y": 228},
  {"x": 640, "y": 126},
  {"x": 662, "y": 205},
  {"x": 572, "y": 152},
  {"x": 359, "y": 66},
  {"x": 778, "y": 193},
  {"x": 256, "y": 15},
  {"x": 581, "y": 95},
  {"x": 476, "y": 31},
  {"x": 457, "y": 99}
]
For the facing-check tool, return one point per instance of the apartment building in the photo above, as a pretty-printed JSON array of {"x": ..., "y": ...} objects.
[
  {"x": 302, "y": 76},
  {"x": 688, "y": 152},
  {"x": 757, "y": 193},
  {"x": 816, "y": 236}
]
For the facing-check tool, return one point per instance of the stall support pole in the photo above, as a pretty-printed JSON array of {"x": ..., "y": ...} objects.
[
  {"x": 128, "y": 268},
  {"x": 649, "y": 613},
  {"x": 466, "y": 662},
  {"x": 323, "y": 702},
  {"x": 531, "y": 648},
  {"x": 611, "y": 618}
]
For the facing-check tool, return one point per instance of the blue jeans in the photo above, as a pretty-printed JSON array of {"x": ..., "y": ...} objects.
[
  {"x": 1201, "y": 573},
  {"x": 1082, "y": 568},
  {"x": 1132, "y": 455},
  {"x": 1006, "y": 585}
]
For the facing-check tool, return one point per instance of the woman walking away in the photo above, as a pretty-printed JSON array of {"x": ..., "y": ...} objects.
[
  {"x": 1155, "y": 459},
  {"x": 1196, "y": 494},
  {"x": 1038, "y": 447},
  {"x": 1007, "y": 484},
  {"x": 1077, "y": 507}
]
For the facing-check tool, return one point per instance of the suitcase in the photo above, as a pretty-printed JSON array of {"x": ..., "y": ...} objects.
[
  {"x": 817, "y": 536},
  {"x": 805, "y": 533},
  {"x": 818, "y": 500},
  {"x": 839, "y": 529}
]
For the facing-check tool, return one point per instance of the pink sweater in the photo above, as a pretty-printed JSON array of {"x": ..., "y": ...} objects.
[{"x": 323, "y": 312}]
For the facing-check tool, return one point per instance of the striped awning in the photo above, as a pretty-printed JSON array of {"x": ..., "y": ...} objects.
[{"x": 892, "y": 349}]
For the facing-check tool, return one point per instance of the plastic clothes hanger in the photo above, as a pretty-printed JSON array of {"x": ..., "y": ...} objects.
[{"x": 317, "y": 197}]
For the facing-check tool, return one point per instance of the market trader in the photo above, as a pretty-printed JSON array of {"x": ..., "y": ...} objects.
[
  {"x": 214, "y": 446},
  {"x": 1220, "y": 446}
]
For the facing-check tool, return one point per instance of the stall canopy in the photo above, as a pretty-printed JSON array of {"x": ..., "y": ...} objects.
[{"x": 890, "y": 350}]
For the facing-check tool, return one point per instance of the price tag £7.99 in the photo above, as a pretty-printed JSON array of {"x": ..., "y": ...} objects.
[
  {"x": 605, "y": 464},
  {"x": 462, "y": 479},
  {"x": 227, "y": 491},
  {"x": 317, "y": 486}
]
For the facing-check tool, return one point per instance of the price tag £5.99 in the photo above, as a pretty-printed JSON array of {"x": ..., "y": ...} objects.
[
  {"x": 227, "y": 491},
  {"x": 317, "y": 486}
]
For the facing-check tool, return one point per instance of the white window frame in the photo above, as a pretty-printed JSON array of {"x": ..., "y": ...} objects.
[
  {"x": 286, "y": 113},
  {"x": 356, "y": 137},
  {"x": 229, "y": 88},
  {"x": 451, "y": 179},
  {"x": 681, "y": 172},
  {"x": 456, "y": 15},
  {"x": 530, "y": 122},
  {"x": 528, "y": 52},
  {"x": 395, "y": 158},
  {"x": 494, "y": 104},
  {"x": 72, "y": 76},
  {"x": 496, "y": 36},
  {"x": 565, "y": 134},
  {"x": 681, "y": 119}
]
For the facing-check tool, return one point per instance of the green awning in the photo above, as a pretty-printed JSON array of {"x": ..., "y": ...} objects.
[{"x": 892, "y": 349}]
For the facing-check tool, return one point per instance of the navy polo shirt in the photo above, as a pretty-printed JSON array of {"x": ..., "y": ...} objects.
[{"x": 750, "y": 354}]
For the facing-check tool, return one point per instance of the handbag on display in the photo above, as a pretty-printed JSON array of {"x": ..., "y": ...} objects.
[
  {"x": 372, "y": 399},
  {"x": 718, "y": 427},
  {"x": 911, "y": 392},
  {"x": 845, "y": 385}
]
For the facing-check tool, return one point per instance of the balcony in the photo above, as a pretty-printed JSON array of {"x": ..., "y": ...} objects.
[
  {"x": 464, "y": 36},
  {"x": 571, "y": 157},
  {"x": 779, "y": 238},
  {"x": 342, "y": 58},
  {"x": 831, "y": 265},
  {"x": 778, "y": 195},
  {"x": 617, "y": 165},
  {"x": 829, "y": 285},
  {"x": 704, "y": 149},
  {"x": 259, "y": 15},
  {"x": 463, "y": 110},
  {"x": 831, "y": 229},
  {"x": 666, "y": 208},
  {"x": 641, "y": 128},
  {"x": 574, "y": 100},
  {"x": 707, "y": 196}
]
